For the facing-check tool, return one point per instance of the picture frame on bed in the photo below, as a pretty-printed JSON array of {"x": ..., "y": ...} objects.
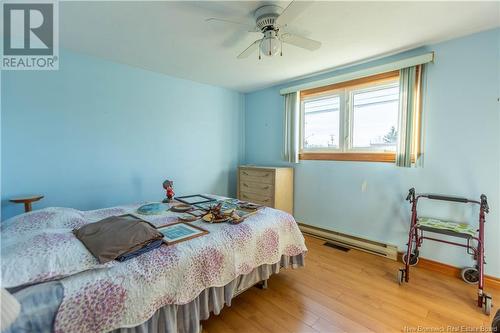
[
  {"x": 185, "y": 217},
  {"x": 197, "y": 212},
  {"x": 226, "y": 205},
  {"x": 206, "y": 205},
  {"x": 180, "y": 232},
  {"x": 194, "y": 199}
]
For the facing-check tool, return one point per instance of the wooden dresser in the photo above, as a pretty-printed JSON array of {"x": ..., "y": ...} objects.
[{"x": 268, "y": 186}]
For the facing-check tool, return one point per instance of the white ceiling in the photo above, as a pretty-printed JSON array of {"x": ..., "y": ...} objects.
[{"x": 173, "y": 37}]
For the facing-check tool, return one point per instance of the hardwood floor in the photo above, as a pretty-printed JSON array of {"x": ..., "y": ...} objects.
[{"x": 353, "y": 292}]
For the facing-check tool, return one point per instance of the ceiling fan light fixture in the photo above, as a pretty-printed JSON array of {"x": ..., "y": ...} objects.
[
  {"x": 272, "y": 21},
  {"x": 270, "y": 44}
]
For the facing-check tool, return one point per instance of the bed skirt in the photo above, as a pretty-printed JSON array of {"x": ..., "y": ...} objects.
[
  {"x": 186, "y": 318},
  {"x": 39, "y": 304}
]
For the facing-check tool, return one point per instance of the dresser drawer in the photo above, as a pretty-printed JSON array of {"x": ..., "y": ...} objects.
[
  {"x": 257, "y": 176},
  {"x": 255, "y": 198},
  {"x": 262, "y": 189}
]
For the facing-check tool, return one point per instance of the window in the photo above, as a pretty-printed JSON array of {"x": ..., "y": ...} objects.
[
  {"x": 356, "y": 120},
  {"x": 375, "y": 118},
  {"x": 322, "y": 123}
]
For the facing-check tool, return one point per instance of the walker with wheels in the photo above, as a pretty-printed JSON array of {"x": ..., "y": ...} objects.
[{"x": 474, "y": 245}]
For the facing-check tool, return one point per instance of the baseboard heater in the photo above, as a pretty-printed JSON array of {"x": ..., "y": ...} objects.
[{"x": 353, "y": 242}]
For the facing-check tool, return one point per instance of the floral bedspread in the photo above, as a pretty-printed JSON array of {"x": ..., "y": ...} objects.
[{"x": 40, "y": 246}]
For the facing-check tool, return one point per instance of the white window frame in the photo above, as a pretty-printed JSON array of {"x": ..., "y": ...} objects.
[
  {"x": 346, "y": 116},
  {"x": 341, "y": 122}
]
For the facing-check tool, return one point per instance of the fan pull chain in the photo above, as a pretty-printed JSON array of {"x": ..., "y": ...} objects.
[{"x": 260, "y": 44}]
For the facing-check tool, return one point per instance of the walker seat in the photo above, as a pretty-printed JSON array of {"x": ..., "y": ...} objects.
[{"x": 463, "y": 230}]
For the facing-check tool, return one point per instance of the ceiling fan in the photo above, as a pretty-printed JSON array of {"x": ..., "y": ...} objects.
[{"x": 272, "y": 21}]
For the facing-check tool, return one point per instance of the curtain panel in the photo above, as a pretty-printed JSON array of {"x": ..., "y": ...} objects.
[
  {"x": 291, "y": 139},
  {"x": 409, "y": 148}
]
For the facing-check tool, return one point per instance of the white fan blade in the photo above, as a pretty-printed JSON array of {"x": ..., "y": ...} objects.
[
  {"x": 294, "y": 9},
  {"x": 302, "y": 42},
  {"x": 214, "y": 19},
  {"x": 249, "y": 50}
]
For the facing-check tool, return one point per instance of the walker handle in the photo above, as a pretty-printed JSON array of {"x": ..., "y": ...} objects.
[
  {"x": 411, "y": 195},
  {"x": 446, "y": 198},
  {"x": 484, "y": 203}
]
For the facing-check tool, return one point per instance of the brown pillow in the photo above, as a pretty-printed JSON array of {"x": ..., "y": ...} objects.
[{"x": 109, "y": 238}]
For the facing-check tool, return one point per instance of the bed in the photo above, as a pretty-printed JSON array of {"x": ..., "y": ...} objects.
[{"x": 170, "y": 289}]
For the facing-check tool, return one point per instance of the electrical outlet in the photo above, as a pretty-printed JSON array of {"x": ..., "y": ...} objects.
[{"x": 364, "y": 186}]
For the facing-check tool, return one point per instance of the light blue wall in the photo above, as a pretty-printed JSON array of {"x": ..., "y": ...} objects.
[
  {"x": 462, "y": 155},
  {"x": 97, "y": 134}
]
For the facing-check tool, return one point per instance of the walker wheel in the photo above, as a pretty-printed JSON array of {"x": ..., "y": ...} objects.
[
  {"x": 487, "y": 304},
  {"x": 401, "y": 276},
  {"x": 495, "y": 324},
  {"x": 470, "y": 275},
  {"x": 413, "y": 259}
]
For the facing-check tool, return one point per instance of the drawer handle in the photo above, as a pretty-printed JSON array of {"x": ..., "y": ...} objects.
[
  {"x": 262, "y": 188},
  {"x": 246, "y": 197},
  {"x": 265, "y": 175}
]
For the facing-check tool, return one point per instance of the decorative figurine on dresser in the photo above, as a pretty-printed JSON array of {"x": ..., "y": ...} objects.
[
  {"x": 168, "y": 186},
  {"x": 268, "y": 186}
]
